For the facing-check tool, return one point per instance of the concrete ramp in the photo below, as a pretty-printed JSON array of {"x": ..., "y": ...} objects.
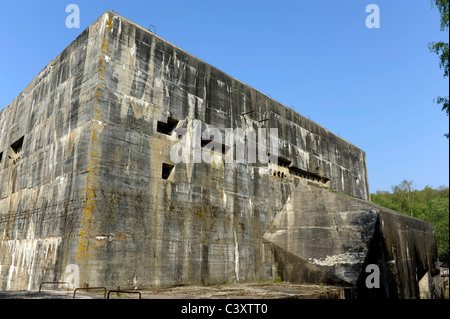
[{"x": 322, "y": 237}]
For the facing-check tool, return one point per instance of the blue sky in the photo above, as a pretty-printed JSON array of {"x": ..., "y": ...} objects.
[{"x": 372, "y": 87}]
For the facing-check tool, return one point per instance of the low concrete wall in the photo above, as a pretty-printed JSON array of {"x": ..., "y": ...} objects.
[{"x": 325, "y": 237}]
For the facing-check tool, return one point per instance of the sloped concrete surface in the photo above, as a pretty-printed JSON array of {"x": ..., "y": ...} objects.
[
  {"x": 325, "y": 237},
  {"x": 328, "y": 234}
]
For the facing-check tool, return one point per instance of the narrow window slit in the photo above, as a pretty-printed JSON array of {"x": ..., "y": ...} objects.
[
  {"x": 213, "y": 145},
  {"x": 16, "y": 151},
  {"x": 17, "y": 146},
  {"x": 167, "y": 128},
  {"x": 308, "y": 175},
  {"x": 167, "y": 170}
]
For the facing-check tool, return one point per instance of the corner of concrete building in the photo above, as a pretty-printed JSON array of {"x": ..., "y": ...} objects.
[{"x": 43, "y": 191}]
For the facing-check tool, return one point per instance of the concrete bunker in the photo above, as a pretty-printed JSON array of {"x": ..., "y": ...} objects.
[{"x": 233, "y": 222}]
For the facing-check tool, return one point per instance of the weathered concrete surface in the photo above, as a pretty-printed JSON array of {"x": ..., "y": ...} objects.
[
  {"x": 42, "y": 182},
  {"x": 85, "y": 187},
  {"x": 205, "y": 223},
  {"x": 321, "y": 236}
]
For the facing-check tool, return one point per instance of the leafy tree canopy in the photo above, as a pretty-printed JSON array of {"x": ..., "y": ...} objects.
[
  {"x": 441, "y": 49},
  {"x": 430, "y": 205}
]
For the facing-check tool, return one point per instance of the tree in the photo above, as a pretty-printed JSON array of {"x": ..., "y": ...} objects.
[
  {"x": 437, "y": 213},
  {"x": 441, "y": 49},
  {"x": 405, "y": 195},
  {"x": 431, "y": 205}
]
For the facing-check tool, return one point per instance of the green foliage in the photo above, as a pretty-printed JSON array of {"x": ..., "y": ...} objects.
[
  {"x": 277, "y": 280},
  {"x": 443, "y": 7},
  {"x": 441, "y": 49},
  {"x": 430, "y": 205}
]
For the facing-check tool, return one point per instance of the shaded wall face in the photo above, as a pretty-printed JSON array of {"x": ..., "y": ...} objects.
[
  {"x": 45, "y": 136},
  {"x": 405, "y": 250}
]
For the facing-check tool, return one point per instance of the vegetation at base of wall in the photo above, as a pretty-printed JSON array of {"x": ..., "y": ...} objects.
[
  {"x": 430, "y": 205},
  {"x": 275, "y": 280}
]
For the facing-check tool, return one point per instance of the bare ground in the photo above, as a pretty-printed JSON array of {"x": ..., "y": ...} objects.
[{"x": 238, "y": 291}]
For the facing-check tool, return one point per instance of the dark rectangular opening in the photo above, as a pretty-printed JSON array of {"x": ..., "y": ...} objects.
[
  {"x": 281, "y": 161},
  {"x": 15, "y": 154},
  {"x": 166, "y": 170},
  {"x": 1, "y": 157},
  {"x": 307, "y": 175},
  {"x": 17, "y": 146},
  {"x": 209, "y": 144},
  {"x": 167, "y": 128}
]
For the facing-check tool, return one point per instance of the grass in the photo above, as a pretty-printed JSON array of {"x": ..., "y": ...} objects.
[{"x": 273, "y": 281}]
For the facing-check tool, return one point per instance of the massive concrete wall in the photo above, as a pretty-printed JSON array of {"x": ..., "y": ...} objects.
[
  {"x": 101, "y": 121},
  {"x": 45, "y": 137},
  {"x": 205, "y": 223},
  {"x": 153, "y": 80}
]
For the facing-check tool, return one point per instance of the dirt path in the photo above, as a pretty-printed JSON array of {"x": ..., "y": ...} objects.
[{"x": 239, "y": 291}]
